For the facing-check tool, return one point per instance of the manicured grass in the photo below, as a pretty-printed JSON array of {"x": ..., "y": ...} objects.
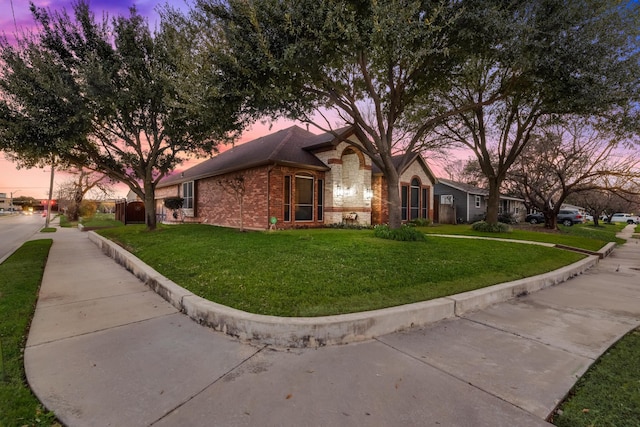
[
  {"x": 48, "y": 230},
  {"x": 327, "y": 271},
  {"x": 582, "y": 236},
  {"x": 20, "y": 277},
  {"x": 609, "y": 393},
  {"x": 99, "y": 220}
]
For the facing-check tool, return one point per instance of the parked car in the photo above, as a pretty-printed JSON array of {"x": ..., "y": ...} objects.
[
  {"x": 566, "y": 217},
  {"x": 535, "y": 218},
  {"x": 625, "y": 217},
  {"x": 569, "y": 217}
]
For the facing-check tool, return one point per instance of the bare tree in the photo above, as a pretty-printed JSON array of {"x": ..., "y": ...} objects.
[
  {"x": 570, "y": 157},
  {"x": 73, "y": 192}
]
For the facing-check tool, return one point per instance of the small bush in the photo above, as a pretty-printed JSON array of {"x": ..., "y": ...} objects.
[
  {"x": 405, "y": 233},
  {"x": 88, "y": 209},
  {"x": 421, "y": 222},
  {"x": 507, "y": 218},
  {"x": 345, "y": 226},
  {"x": 173, "y": 203},
  {"x": 491, "y": 228}
]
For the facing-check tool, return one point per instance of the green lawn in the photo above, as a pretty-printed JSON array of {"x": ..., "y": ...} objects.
[
  {"x": 328, "y": 271},
  {"x": 99, "y": 220},
  {"x": 20, "y": 277},
  {"x": 584, "y": 236},
  {"x": 608, "y": 394}
]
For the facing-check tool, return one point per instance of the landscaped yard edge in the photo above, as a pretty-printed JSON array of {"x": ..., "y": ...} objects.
[{"x": 329, "y": 330}]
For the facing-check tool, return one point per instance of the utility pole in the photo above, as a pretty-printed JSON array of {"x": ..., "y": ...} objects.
[
  {"x": 53, "y": 163},
  {"x": 11, "y": 200}
]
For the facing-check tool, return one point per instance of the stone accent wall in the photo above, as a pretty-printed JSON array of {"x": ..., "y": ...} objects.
[{"x": 348, "y": 185}]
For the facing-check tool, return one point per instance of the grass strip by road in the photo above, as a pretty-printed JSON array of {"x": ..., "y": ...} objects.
[
  {"x": 608, "y": 394},
  {"x": 320, "y": 272},
  {"x": 98, "y": 220},
  {"x": 20, "y": 278},
  {"x": 583, "y": 236}
]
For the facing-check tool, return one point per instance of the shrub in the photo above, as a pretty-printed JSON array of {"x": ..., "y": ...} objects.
[
  {"x": 491, "y": 228},
  {"x": 507, "y": 218},
  {"x": 405, "y": 233},
  {"x": 421, "y": 222},
  {"x": 88, "y": 209},
  {"x": 173, "y": 203}
]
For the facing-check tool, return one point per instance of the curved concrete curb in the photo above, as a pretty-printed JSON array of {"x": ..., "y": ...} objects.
[{"x": 329, "y": 330}]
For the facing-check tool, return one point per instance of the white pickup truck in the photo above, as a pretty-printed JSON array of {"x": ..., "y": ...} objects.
[{"x": 625, "y": 217}]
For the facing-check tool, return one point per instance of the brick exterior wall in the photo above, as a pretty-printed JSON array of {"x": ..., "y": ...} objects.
[
  {"x": 219, "y": 204},
  {"x": 349, "y": 187}
]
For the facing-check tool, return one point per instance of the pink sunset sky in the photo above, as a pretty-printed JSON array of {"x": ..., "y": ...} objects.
[{"x": 15, "y": 17}]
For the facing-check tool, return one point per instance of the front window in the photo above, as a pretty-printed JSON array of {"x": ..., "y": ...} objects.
[
  {"x": 478, "y": 201},
  {"x": 425, "y": 203},
  {"x": 304, "y": 198},
  {"x": 404, "y": 190},
  {"x": 187, "y": 195},
  {"x": 415, "y": 198},
  {"x": 320, "y": 199},
  {"x": 287, "y": 198}
]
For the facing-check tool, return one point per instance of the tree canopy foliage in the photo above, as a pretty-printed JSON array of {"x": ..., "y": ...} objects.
[
  {"x": 112, "y": 96},
  {"x": 557, "y": 58},
  {"x": 366, "y": 63},
  {"x": 483, "y": 73}
]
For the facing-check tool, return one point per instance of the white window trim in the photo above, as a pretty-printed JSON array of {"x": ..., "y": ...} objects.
[{"x": 188, "y": 211}]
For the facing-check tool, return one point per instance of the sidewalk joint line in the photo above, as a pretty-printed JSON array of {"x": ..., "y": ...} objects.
[{"x": 190, "y": 398}]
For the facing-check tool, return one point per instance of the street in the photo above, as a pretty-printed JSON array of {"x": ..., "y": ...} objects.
[{"x": 15, "y": 230}]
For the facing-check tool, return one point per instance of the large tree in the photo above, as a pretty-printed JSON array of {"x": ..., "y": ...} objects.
[
  {"x": 112, "y": 96},
  {"x": 555, "y": 58},
  {"x": 365, "y": 64}
]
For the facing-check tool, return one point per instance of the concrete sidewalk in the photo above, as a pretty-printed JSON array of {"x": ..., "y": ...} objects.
[{"x": 105, "y": 350}]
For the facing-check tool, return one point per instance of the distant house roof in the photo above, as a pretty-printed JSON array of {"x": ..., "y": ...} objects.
[
  {"x": 289, "y": 146},
  {"x": 472, "y": 189},
  {"x": 467, "y": 188}
]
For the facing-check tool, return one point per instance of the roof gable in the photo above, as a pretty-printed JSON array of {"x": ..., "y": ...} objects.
[{"x": 397, "y": 161}]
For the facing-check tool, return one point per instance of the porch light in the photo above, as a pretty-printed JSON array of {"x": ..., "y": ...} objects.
[{"x": 339, "y": 192}]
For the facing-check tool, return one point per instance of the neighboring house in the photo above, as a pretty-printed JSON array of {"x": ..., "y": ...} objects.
[
  {"x": 296, "y": 179},
  {"x": 457, "y": 202}
]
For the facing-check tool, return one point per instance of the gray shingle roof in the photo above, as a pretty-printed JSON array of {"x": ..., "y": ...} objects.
[{"x": 467, "y": 188}]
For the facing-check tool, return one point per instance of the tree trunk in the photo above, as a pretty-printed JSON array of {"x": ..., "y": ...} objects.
[
  {"x": 550, "y": 219},
  {"x": 393, "y": 199},
  {"x": 149, "y": 206},
  {"x": 493, "y": 202}
]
